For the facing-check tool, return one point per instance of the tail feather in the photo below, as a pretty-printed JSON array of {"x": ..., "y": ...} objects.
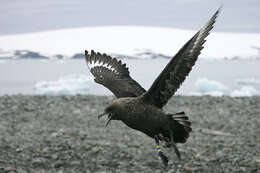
[
  {"x": 188, "y": 129},
  {"x": 178, "y": 113},
  {"x": 181, "y": 117},
  {"x": 186, "y": 123},
  {"x": 181, "y": 127}
]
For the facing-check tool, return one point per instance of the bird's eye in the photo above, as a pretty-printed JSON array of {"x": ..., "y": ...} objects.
[{"x": 109, "y": 109}]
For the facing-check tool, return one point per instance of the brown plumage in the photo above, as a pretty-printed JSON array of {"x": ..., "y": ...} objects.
[{"x": 142, "y": 110}]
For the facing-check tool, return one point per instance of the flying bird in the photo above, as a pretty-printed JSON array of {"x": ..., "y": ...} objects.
[{"x": 142, "y": 110}]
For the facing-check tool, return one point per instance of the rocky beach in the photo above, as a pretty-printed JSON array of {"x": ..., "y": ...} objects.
[{"x": 48, "y": 134}]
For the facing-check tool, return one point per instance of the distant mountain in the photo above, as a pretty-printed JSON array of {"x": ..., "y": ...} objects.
[
  {"x": 150, "y": 54},
  {"x": 125, "y": 42},
  {"x": 118, "y": 56},
  {"x": 22, "y": 54},
  {"x": 140, "y": 55},
  {"x": 78, "y": 56},
  {"x": 26, "y": 54}
]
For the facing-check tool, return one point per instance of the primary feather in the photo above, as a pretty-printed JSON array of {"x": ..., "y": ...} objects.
[
  {"x": 179, "y": 67},
  {"x": 115, "y": 76},
  {"x": 112, "y": 74}
]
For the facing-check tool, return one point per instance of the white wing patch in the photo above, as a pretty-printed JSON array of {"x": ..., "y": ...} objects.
[{"x": 101, "y": 64}]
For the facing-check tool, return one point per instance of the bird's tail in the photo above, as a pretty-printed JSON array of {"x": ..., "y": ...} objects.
[{"x": 181, "y": 127}]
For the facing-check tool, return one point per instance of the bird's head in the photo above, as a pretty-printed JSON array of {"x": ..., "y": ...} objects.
[{"x": 113, "y": 112}]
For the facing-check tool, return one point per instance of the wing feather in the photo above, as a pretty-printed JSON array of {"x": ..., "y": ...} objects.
[
  {"x": 179, "y": 67},
  {"x": 112, "y": 74}
]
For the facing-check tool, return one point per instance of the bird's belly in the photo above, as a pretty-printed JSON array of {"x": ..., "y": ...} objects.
[{"x": 148, "y": 121}]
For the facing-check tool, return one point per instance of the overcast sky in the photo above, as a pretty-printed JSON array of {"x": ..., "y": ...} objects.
[{"x": 21, "y": 16}]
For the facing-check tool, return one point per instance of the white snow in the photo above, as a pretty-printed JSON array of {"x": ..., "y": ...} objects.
[{"x": 130, "y": 40}]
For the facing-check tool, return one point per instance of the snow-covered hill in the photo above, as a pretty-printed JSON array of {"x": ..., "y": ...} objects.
[{"x": 131, "y": 41}]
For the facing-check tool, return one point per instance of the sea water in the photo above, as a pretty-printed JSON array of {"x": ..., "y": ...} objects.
[{"x": 68, "y": 77}]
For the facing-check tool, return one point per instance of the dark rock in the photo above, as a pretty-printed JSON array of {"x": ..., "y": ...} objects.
[
  {"x": 59, "y": 56},
  {"x": 38, "y": 161},
  {"x": 26, "y": 54},
  {"x": 78, "y": 56},
  {"x": 59, "y": 164},
  {"x": 150, "y": 54}
]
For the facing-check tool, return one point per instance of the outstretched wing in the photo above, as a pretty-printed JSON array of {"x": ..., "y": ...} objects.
[
  {"x": 178, "y": 68},
  {"x": 112, "y": 74}
]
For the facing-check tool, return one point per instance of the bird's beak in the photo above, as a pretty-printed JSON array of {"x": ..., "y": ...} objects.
[
  {"x": 101, "y": 115},
  {"x": 109, "y": 119},
  {"x": 110, "y": 116}
]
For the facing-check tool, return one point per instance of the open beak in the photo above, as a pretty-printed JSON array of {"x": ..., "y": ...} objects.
[
  {"x": 101, "y": 115},
  {"x": 109, "y": 119}
]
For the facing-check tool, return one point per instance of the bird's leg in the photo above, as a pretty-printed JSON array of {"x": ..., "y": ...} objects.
[
  {"x": 174, "y": 146},
  {"x": 160, "y": 153}
]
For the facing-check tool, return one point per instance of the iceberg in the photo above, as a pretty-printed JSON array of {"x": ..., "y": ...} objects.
[
  {"x": 245, "y": 91},
  {"x": 205, "y": 86},
  {"x": 66, "y": 85},
  {"x": 248, "y": 81}
]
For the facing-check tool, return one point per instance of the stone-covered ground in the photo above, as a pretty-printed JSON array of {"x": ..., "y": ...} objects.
[{"x": 62, "y": 134}]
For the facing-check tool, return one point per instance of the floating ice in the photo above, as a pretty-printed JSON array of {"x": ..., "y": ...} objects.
[
  {"x": 82, "y": 84},
  {"x": 2, "y": 61},
  {"x": 245, "y": 91},
  {"x": 59, "y": 61},
  {"x": 248, "y": 81},
  {"x": 205, "y": 86},
  {"x": 67, "y": 85}
]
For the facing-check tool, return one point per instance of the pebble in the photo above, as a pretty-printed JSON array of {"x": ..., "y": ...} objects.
[{"x": 72, "y": 139}]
